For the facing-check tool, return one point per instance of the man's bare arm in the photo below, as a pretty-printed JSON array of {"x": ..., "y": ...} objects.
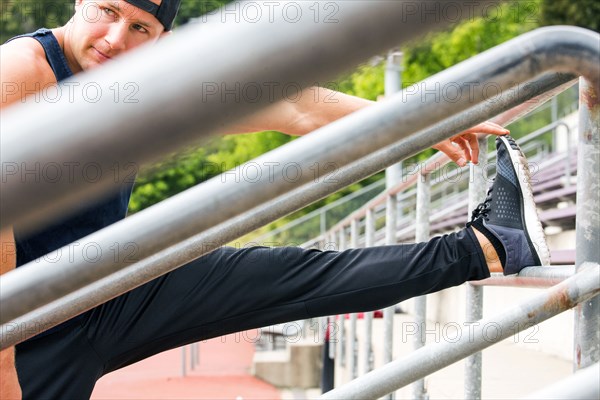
[
  {"x": 309, "y": 110},
  {"x": 317, "y": 107},
  {"x": 22, "y": 70}
]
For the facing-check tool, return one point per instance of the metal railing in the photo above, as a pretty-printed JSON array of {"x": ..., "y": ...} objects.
[
  {"x": 38, "y": 295},
  {"x": 353, "y": 200},
  {"x": 579, "y": 288},
  {"x": 477, "y": 186},
  {"x": 380, "y": 382}
]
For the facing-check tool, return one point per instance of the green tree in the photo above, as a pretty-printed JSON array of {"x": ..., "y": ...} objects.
[
  {"x": 195, "y": 8},
  {"x": 22, "y": 16},
  {"x": 584, "y": 13}
]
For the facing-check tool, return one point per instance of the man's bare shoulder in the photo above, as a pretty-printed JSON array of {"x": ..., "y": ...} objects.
[{"x": 23, "y": 67}]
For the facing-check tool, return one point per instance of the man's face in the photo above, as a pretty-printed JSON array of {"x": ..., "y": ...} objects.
[{"x": 103, "y": 29}]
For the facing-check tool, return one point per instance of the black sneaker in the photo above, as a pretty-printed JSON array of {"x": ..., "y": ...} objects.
[{"x": 508, "y": 216}]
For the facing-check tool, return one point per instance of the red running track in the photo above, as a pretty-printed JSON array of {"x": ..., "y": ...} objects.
[{"x": 223, "y": 373}]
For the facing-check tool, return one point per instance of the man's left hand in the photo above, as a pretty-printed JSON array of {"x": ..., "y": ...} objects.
[{"x": 463, "y": 147}]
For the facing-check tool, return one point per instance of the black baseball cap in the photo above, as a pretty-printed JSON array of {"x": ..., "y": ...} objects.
[{"x": 165, "y": 13}]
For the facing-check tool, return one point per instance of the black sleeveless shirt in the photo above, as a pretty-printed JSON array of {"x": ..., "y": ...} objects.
[{"x": 93, "y": 217}]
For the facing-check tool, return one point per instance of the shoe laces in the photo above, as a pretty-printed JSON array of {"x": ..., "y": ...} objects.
[{"x": 483, "y": 209}]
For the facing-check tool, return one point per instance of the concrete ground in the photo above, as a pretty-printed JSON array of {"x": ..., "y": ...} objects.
[{"x": 512, "y": 369}]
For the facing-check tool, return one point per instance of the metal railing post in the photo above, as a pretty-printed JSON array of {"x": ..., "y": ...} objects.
[
  {"x": 192, "y": 347},
  {"x": 393, "y": 84},
  {"x": 195, "y": 356},
  {"x": 323, "y": 222},
  {"x": 368, "y": 316},
  {"x": 388, "y": 313},
  {"x": 330, "y": 326},
  {"x": 422, "y": 235},
  {"x": 341, "y": 320},
  {"x": 353, "y": 317},
  {"x": 477, "y": 190},
  {"x": 393, "y": 176},
  {"x": 331, "y": 320},
  {"x": 554, "y": 118},
  {"x": 587, "y": 333},
  {"x": 183, "y": 362}
]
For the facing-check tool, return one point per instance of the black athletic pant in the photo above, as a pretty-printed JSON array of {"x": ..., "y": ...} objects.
[{"x": 232, "y": 290}]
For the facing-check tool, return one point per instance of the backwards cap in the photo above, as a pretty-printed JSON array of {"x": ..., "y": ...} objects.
[{"x": 165, "y": 13}]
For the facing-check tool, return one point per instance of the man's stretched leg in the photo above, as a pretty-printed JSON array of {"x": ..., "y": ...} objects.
[{"x": 231, "y": 290}]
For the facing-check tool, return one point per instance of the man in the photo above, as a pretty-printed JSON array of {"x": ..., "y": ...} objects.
[{"x": 231, "y": 290}]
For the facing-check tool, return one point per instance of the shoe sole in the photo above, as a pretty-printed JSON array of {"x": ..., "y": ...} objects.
[{"x": 534, "y": 231}]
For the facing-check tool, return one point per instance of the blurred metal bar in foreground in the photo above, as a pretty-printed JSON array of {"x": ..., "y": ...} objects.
[{"x": 160, "y": 97}]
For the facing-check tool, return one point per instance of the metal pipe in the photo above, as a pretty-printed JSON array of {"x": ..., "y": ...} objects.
[
  {"x": 477, "y": 192},
  {"x": 342, "y": 240},
  {"x": 534, "y": 277},
  {"x": 321, "y": 212},
  {"x": 587, "y": 224},
  {"x": 342, "y": 320},
  {"x": 166, "y": 114},
  {"x": 323, "y": 222},
  {"x": 152, "y": 267},
  {"x": 353, "y": 317},
  {"x": 183, "y": 362},
  {"x": 582, "y": 385},
  {"x": 353, "y": 346},
  {"x": 421, "y": 235},
  {"x": 368, "y": 316},
  {"x": 331, "y": 322},
  {"x": 389, "y": 312},
  {"x": 393, "y": 84},
  {"x": 473, "y": 338}
]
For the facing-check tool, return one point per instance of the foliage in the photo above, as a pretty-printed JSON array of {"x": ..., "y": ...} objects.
[
  {"x": 584, "y": 13},
  {"x": 195, "y": 165},
  {"x": 21, "y": 16},
  {"x": 195, "y": 8}
]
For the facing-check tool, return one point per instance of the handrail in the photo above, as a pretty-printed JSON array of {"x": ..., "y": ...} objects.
[
  {"x": 273, "y": 55},
  {"x": 583, "y": 384},
  {"x": 439, "y": 160},
  {"x": 588, "y": 231},
  {"x": 103, "y": 290},
  {"x": 392, "y": 376},
  {"x": 323, "y": 209},
  {"x": 535, "y": 277}
]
